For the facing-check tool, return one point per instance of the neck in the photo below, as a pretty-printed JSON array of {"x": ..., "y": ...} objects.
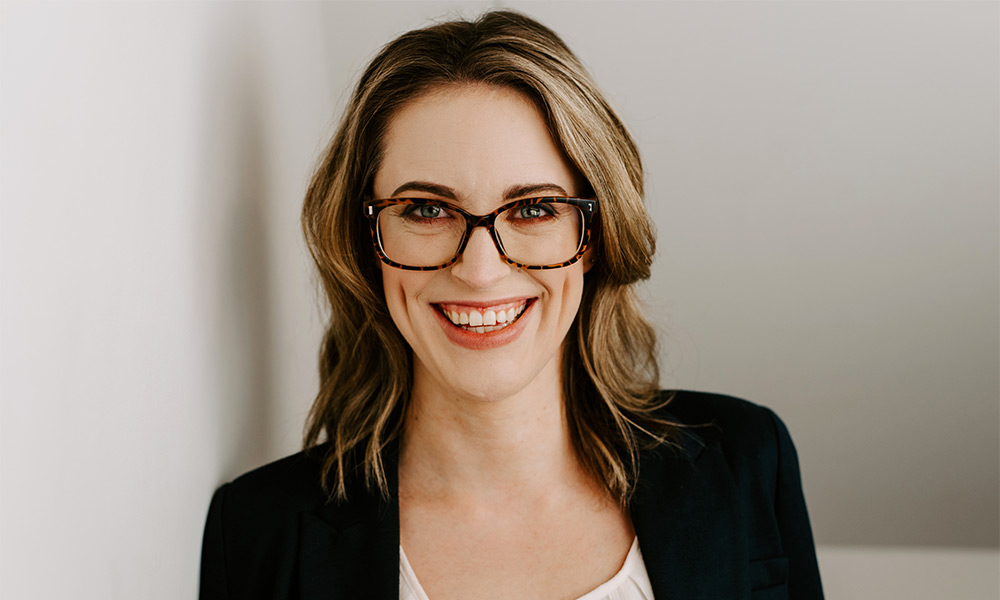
[{"x": 465, "y": 447}]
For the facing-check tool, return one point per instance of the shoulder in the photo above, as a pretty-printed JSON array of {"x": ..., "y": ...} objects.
[
  {"x": 729, "y": 493},
  {"x": 718, "y": 414},
  {"x": 696, "y": 408},
  {"x": 744, "y": 432},
  {"x": 262, "y": 508},
  {"x": 252, "y": 527},
  {"x": 291, "y": 483}
]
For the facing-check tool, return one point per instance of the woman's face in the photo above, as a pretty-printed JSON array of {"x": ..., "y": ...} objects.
[{"x": 479, "y": 147}]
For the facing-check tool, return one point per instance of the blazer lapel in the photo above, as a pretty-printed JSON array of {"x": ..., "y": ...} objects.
[
  {"x": 360, "y": 537},
  {"x": 687, "y": 518}
]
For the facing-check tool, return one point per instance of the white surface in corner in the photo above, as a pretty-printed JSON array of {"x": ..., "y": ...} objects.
[{"x": 863, "y": 573}]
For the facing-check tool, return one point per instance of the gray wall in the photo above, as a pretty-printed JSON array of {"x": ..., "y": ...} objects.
[{"x": 824, "y": 177}]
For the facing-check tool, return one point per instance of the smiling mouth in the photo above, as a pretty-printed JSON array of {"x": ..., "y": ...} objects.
[{"x": 483, "y": 319}]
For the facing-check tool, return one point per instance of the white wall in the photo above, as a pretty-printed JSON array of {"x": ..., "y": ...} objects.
[
  {"x": 158, "y": 322},
  {"x": 824, "y": 177}
]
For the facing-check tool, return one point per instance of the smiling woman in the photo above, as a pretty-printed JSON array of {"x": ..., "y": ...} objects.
[{"x": 488, "y": 423}]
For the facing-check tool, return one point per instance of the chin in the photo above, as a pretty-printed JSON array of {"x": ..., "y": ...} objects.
[
  {"x": 498, "y": 377},
  {"x": 489, "y": 390}
]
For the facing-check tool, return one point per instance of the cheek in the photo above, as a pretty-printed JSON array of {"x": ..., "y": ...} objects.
[
  {"x": 401, "y": 288},
  {"x": 395, "y": 299},
  {"x": 567, "y": 289},
  {"x": 575, "y": 293}
]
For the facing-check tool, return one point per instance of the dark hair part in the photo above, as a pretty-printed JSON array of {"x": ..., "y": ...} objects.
[{"x": 610, "y": 369}]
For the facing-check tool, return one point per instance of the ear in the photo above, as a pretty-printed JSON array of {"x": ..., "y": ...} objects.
[{"x": 589, "y": 257}]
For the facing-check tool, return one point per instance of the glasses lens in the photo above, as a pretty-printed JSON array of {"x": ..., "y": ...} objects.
[
  {"x": 546, "y": 233},
  {"x": 420, "y": 235}
]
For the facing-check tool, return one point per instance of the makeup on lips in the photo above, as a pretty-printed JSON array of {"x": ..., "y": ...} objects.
[{"x": 482, "y": 319}]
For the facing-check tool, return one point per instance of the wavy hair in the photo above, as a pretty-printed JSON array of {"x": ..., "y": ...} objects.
[{"x": 610, "y": 371}]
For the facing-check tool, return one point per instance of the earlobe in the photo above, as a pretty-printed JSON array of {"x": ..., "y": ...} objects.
[{"x": 588, "y": 259}]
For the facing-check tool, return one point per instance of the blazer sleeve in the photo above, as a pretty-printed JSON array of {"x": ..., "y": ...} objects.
[
  {"x": 213, "y": 584},
  {"x": 793, "y": 520}
]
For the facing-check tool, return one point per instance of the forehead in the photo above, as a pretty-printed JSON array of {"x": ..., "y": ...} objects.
[{"x": 477, "y": 140}]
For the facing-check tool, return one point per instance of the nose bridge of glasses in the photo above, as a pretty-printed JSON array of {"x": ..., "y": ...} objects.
[
  {"x": 484, "y": 226},
  {"x": 486, "y": 222},
  {"x": 474, "y": 221}
]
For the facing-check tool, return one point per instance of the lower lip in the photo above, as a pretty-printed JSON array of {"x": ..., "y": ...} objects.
[{"x": 483, "y": 341}]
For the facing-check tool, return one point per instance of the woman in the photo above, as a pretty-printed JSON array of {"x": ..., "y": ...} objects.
[{"x": 488, "y": 405}]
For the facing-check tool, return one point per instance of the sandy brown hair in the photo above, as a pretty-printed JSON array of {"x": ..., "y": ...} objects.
[{"x": 610, "y": 370}]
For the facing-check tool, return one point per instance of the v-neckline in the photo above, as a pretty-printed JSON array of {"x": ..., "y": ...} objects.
[{"x": 631, "y": 564}]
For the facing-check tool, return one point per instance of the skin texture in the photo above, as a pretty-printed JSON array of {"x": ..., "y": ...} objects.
[{"x": 493, "y": 501}]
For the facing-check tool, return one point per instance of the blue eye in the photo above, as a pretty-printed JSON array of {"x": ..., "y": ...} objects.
[
  {"x": 429, "y": 212},
  {"x": 534, "y": 211}
]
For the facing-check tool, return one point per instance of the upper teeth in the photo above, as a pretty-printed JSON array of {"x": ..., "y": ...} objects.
[{"x": 485, "y": 317}]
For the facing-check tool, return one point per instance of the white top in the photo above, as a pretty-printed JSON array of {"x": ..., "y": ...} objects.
[{"x": 631, "y": 582}]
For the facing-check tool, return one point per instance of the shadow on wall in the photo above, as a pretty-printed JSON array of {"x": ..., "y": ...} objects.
[{"x": 232, "y": 231}]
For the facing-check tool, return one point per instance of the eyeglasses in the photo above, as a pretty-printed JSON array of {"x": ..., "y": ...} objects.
[{"x": 421, "y": 234}]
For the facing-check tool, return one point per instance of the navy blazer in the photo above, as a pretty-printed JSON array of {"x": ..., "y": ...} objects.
[{"x": 723, "y": 517}]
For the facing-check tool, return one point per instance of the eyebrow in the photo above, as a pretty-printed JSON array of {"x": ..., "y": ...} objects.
[
  {"x": 514, "y": 191},
  {"x": 424, "y": 186},
  {"x": 530, "y": 189}
]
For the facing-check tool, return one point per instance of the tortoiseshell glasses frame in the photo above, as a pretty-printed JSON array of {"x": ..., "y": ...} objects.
[{"x": 588, "y": 208}]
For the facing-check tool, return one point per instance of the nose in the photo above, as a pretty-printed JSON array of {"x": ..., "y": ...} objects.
[{"x": 480, "y": 265}]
